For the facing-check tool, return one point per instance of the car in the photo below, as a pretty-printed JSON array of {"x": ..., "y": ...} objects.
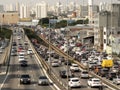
[
  {"x": 74, "y": 82},
  {"x": 116, "y": 80},
  {"x": 14, "y": 43},
  {"x": 21, "y": 59},
  {"x": 91, "y": 65},
  {"x": 115, "y": 68},
  {"x": 29, "y": 51},
  {"x": 18, "y": 37},
  {"x": 74, "y": 67},
  {"x": 94, "y": 82},
  {"x": 111, "y": 75},
  {"x": 26, "y": 43},
  {"x": 22, "y": 52},
  {"x": 23, "y": 63},
  {"x": 43, "y": 80},
  {"x": 14, "y": 49},
  {"x": 67, "y": 62},
  {"x": 103, "y": 72},
  {"x": 55, "y": 63},
  {"x": 21, "y": 55},
  {"x": 25, "y": 79},
  {"x": 1, "y": 51},
  {"x": 64, "y": 73},
  {"x": 84, "y": 74},
  {"x": 13, "y": 53}
]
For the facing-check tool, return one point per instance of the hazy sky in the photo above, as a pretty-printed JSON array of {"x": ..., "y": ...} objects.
[{"x": 54, "y": 1}]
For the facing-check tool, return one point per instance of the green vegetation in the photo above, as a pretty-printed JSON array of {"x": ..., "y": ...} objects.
[
  {"x": 63, "y": 23},
  {"x": 32, "y": 35},
  {"x": 5, "y": 33}
]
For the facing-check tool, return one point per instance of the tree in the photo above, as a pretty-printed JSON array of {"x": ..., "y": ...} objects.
[
  {"x": 86, "y": 21},
  {"x": 62, "y": 23},
  {"x": 43, "y": 21}
]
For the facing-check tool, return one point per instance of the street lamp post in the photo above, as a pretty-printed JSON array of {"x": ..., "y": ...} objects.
[
  {"x": 49, "y": 48},
  {"x": 111, "y": 26}
]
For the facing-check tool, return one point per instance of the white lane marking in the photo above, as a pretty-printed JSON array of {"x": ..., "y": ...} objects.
[{"x": 46, "y": 74}]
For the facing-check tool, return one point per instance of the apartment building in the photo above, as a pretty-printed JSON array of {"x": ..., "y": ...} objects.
[{"x": 106, "y": 23}]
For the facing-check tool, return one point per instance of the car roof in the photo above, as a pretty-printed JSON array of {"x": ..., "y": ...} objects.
[
  {"x": 74, "y": 78},
  {"x": 95, "y": 79},
  {"x": 25, "y": 75}
]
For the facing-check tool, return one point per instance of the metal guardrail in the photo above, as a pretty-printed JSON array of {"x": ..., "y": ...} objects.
[
  {"x": 82, "y": 66},
  {"x": 47, "y": 68}
]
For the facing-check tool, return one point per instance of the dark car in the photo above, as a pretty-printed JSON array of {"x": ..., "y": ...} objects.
[
  {"x": 25, "y": 79},
  {"x": 111, "y": 75},
  {"x": 14, "y": 44},
  {"x": 63, "y": 74},
  {"x": 103, "y": 72},
  {"x": 67, "y": 62},
  {"x": 24, "y": 63}
]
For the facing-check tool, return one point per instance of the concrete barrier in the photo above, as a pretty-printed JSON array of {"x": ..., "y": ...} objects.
[{"x": 44, "y": 64}]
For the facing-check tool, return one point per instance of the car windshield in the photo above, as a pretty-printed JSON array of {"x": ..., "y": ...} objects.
[
  {"x": 96, "y": 80},
  {"x": 42, "y": 77},
  {"x": 25, "y": 76},
  {"x": 63, "y": 72},
  {"x": 85, "y": 72},
  {"x": 75, "y": 80}
]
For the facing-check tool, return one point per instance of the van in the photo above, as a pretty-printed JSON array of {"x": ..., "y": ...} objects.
[{"x": 107, "y": 63}]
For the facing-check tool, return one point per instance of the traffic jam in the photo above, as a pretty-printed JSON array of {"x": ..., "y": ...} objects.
[{"x": 100, "y": 63}]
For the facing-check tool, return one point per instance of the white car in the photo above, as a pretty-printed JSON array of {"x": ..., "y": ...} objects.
[
  {"x": 21, "y": 59},
  {"x": 20, "y": 55},
  {"x": 116, "y": 80},
  {"x": 29, "y": 51},
  {"x": 55, "y": 63},
  {"x": 84, "y": 74},
  {"x": 74, "y": 67},
  {"x": 43, "y": 80},
  {"x": 74, "y": 82},
  {"x": 18, "y": 37},
  {"x": 94, "y": 82},
  {"x": 22, "y": 52}
]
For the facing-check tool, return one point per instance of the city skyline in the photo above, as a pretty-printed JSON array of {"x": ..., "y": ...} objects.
[{"x": 85, "y": 2}]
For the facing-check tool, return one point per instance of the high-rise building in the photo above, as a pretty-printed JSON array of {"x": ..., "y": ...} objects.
[
  {"x": 90, "y": 9},
  {"x": 72, "y": 6},
  {"x": 17, "y": 7},
  {"x": 41, "y": 10},
  {"x": 58, "y": 8},
  {"x": 9, "y": 7},
  {"x": 106, "y": 23},
  {"x": 24, "y": 11}
]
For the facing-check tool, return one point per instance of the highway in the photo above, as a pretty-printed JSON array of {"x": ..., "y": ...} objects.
[
  {"x": 77, "y": 74},
  {"x": 12, "y": 80},
  {"x": 34, "y": 69}
]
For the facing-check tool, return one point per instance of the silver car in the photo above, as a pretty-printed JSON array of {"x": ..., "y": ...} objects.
[{"x": 43, "y": 80}]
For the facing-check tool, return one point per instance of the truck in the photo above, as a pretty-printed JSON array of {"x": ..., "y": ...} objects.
[{"x": 107, "y": 63}]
